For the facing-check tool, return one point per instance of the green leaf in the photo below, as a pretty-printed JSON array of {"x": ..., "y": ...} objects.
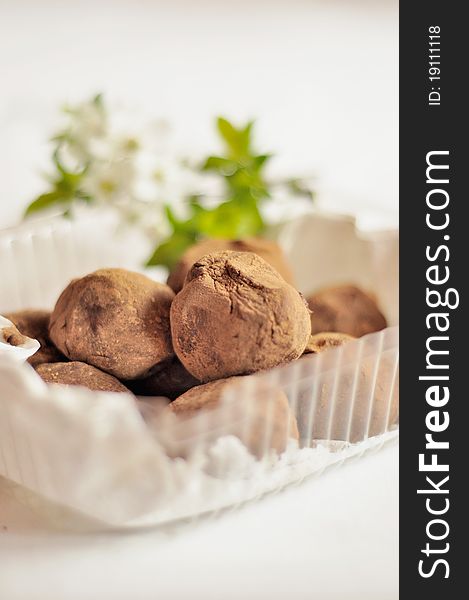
[
  {"x": 260, "y": 160},
  {"x": 224, "y": 166},
  {"x": 169, "y": 252},
  {"x": 299, "y": 188},
  {"x": 68, "y": 179},
  {"x": 45, "y": 201},
  {"x": 234, "y": 218},
  {"x": 173, "y": 221},
  {"x": 234, "y": 221},
  {"x": 81, "y": 195},
  {"x": 236, "y": 215},
  {"x": 238, "y": 141},
  {"x": 98, "y": 100},
  {"x": 57, "y": 162},
  {"x": 246, "y": 182}
]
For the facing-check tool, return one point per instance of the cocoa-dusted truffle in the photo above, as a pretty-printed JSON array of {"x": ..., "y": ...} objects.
[
  {"x": 312, "y": 405},
  {"x": 346, "y": 309},
  {"x": 355, "y": 404},
  {"x": 171, "y": 380},
  {"x": 319, "y": 342},
  {"x": 266, "y": 249},
  {"x": 261, "y": 418},
  {"x": 79, "y": 373},
  {"x": 236, "y": 315},
  {"x": 116, "y": 320},
  {"x": 345, "y": 400},
  {"x": 12, "y": 336},
  {"x": 35, "y": 324}
]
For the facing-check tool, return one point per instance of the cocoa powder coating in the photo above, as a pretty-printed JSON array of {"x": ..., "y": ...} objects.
[
  {"x": 171, "y": 380},
  {"x": 13, "y": 337},
  {"x": 346, "y": 309},
  {"x": 266, "y": 249},
  {"x": 236, "y": 315},
  {"x": 372, "y": 410},
  {"x": 116, "y": 320},
  {"x": 262, "y": 420},
  {"x": 319, "y": 342},
  {"x": 78, "y": 373},
  {"x": 346, "y": 401},
  {"x": 35, "y": 324}
]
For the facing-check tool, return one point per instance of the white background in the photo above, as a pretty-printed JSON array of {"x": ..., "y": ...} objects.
[{"x": 322, "y": 79}]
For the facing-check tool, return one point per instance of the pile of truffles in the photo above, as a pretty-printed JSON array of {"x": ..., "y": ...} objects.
[
  {"x": 229, "y": 309},
  {"x": 266, "y": 249},
  {"x": 35, "y": 324},
  {"x": 346, "y": 309}
]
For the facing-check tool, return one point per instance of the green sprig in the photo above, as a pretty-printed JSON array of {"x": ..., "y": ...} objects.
[
  {"x": 238, "y": 214},
  {"x": 65, "y": 188}
]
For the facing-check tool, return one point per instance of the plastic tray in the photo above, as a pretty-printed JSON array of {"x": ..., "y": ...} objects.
[{"x": 103, "y": 460}]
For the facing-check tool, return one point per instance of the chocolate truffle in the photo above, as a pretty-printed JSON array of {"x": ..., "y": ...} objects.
[
  {"x": 350, "y": 401},
  {"x": 346, "y": 309},
  {"x": 319, "y": 342},
  {"x": 372, "y": 410},
  {"x": 35, "y": 324},
  {"x": 171, "y": 380},
  {"x": 78, "y": 373},
  {"x": 12, "y": 336},
  {"x": 266, "y": 249},
  {"x": 236, "y": 315},
  {"x": 261, "y": 419},
  {"x": 309, "y": 407},
  {"x": 116, "y": 320}
]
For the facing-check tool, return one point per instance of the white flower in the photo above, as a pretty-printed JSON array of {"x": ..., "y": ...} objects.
[
  {"x": 132, "y": 166},
  {"x": 110, "y": 181},
  {"x": 87, "y": 122},
  {"x": 163, "y": 180}
]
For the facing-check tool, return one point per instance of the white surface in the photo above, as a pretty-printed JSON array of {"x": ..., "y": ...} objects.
[
  {"x": 322, "y": 76},
  {"x": 332, "y": 538}
]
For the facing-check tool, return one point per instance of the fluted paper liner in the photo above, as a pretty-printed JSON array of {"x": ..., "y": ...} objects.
[{"x": 94, "y": 459}]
